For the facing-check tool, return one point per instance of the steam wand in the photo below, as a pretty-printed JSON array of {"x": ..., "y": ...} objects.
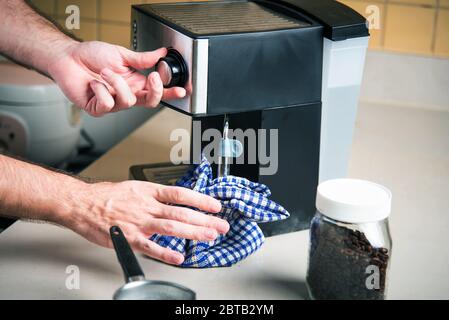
[{"x": 224, "y": 165}]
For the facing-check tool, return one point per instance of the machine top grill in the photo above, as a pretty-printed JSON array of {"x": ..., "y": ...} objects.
[{"x": 209, "y": 18}]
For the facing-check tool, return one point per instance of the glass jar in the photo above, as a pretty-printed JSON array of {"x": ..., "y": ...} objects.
[{"x": 350, "y": 242}]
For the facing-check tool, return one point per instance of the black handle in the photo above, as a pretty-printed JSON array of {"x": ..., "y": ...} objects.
[
  {"x": 125, "y": 255},
  {"x": 173, "y": 69}
]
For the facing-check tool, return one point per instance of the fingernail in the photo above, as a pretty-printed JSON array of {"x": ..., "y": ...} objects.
[
  {"x": 132, "y": 100},
  {"x": 182, "y": 92},
  {"x": 211, "y": 234},
  {"x": 178, "y": 258},
  {"x": 224, "y": 227},
  {"x": 216, "y": 206},
  {"x": 154, "y": 79}
]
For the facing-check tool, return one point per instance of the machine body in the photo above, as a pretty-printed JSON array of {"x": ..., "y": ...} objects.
[{"x": 269, "y": 67}]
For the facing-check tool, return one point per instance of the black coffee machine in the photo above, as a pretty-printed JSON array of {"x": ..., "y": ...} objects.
[{"x": 291, "y": 67}]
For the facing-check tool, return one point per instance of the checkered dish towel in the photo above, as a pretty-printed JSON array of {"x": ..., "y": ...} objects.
[{"x": 244, "y": 204}]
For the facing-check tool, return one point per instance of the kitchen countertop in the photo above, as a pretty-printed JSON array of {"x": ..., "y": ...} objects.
[{"x": 405, "y": 149}]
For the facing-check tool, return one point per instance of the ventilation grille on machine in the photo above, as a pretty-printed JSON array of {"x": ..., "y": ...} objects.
[
  {"x": 224, "y": 17},
  {"x": 166, "y": 175}
]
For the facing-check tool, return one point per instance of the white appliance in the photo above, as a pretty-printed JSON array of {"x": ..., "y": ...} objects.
[{"x": 37, "y": 121}]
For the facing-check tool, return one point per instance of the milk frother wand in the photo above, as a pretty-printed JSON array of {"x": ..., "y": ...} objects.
[
  {"x": 223, "y": 158},
  {"x": 228, "y": 149}
]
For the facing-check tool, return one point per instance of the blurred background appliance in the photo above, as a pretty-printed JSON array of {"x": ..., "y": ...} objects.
[{"x": 37, "y": 122}]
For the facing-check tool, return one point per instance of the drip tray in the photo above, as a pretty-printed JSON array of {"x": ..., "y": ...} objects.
[{"x": 161, "y": 173}]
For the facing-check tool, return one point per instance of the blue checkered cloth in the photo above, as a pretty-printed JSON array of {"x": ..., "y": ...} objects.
[{"x": 244, "y": 205}]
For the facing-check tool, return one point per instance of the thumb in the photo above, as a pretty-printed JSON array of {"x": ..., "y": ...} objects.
[{"x": 143, "y": 60}]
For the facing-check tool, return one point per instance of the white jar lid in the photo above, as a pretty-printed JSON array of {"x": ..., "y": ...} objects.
[{"x": 353, "y": 201}]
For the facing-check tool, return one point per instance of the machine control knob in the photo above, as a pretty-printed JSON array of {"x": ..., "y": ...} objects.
[{"x": 173, "y": 69}]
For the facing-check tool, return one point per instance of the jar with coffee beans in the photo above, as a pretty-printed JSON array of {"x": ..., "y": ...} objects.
[{"x": 350, "y": 242}]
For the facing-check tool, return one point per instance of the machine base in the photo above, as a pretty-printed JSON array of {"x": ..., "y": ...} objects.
[{"x": 167, "y": 174}]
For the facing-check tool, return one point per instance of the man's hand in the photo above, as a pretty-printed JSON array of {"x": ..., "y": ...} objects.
[
  {"x": 102, "y": 78},
  {"x": 96, "y": 76},
  {"x": 99, "y": 78},
  {"x": 142, "y": 209}
]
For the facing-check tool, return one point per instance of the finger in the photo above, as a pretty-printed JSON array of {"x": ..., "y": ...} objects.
[
  {"x": 187, "y": 197},
  {"x": 141, "y": 98},
  {"x": 169, "y": 94},
  {"x": 174, "y": 93},
  {"x": 154, "y": 91},
  {"x": 155, "y": 251},
  {"x": 143, "y": 60},
  {"x": 102, "y": 102},
  {"x": 124, "y": 97},
  {"x": 180, "y": 230},
  {"x": 193, "y": 217}
]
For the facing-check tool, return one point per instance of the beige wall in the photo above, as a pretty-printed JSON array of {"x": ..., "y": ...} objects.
[
  {"x": 106, "y": 20},
  {"x": 410, "y": 26}
]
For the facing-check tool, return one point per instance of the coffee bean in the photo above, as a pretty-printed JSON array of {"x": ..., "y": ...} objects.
[{"x": 338, "y": 264}]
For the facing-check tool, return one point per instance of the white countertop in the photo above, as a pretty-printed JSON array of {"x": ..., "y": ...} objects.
[{"x": 412, "y": 159}]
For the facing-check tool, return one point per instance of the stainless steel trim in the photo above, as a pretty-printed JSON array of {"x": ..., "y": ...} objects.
[
  {"x": 200, "y": 76},
  {"x": 153, "y": 34}
]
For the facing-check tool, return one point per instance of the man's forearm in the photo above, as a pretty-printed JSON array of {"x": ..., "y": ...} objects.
[
  {"x": 28, "y": 38},
  {"x": 32, "y": 192}
]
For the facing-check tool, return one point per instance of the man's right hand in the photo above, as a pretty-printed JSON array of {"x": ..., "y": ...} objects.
[
  {"x": 102, "y": 78},
  {"x": 142, "y": 209}
]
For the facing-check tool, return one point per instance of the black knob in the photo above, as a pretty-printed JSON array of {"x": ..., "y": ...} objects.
[{"x": 173, "y": 70}]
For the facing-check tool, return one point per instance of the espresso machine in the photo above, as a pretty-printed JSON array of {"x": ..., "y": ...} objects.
[{"x": 290, "y": 69}]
